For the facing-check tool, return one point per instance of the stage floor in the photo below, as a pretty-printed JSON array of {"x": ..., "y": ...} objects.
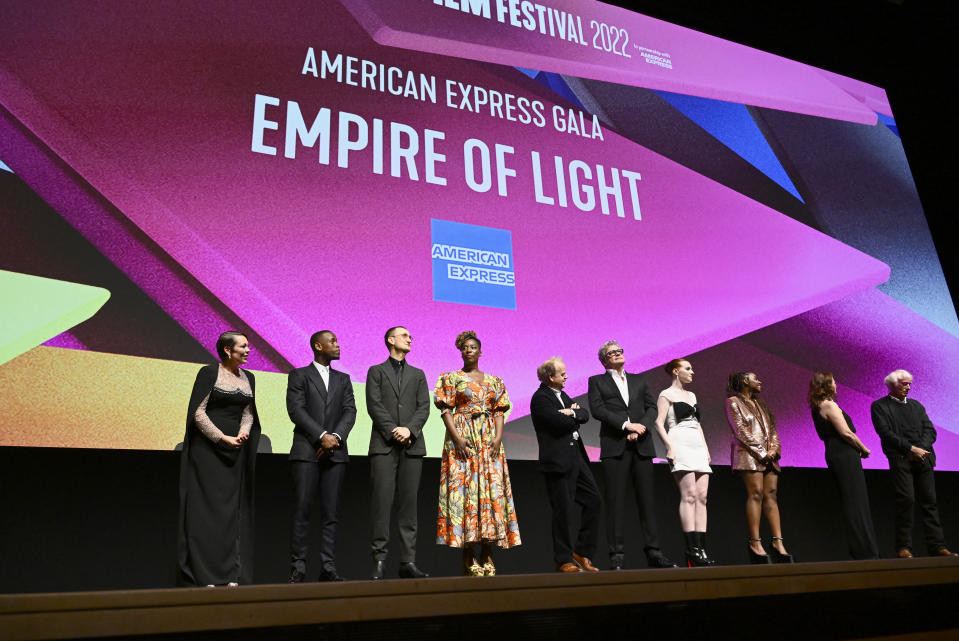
[{"x": 779, "y": 599}]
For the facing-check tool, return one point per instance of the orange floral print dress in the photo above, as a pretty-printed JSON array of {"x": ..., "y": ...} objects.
[{"x": 476, "y": 500}]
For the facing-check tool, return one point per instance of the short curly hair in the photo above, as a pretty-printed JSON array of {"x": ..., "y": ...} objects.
[{"x": 462, "y": 337}]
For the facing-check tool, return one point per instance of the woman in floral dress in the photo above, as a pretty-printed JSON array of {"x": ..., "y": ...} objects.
[{"x": 476, "y": 501}]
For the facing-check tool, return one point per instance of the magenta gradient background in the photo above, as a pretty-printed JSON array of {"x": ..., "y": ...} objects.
[{"x": 134, "y": 122}]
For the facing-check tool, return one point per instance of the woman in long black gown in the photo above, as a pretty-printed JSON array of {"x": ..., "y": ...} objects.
[
  {"x": 215, "y": 538},
  {"x": 844, "y": 452}
]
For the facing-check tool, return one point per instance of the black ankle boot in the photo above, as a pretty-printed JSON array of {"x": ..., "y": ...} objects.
[
  {"x": 754, "y": 557},
  {"x": 693, "y": 558},
  {"x": 701, "y": 539}
]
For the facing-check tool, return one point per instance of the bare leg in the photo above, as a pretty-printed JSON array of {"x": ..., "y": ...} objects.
[
  {"x": 771, "y": 509},
  {"x": 754, "y": 506},
  {"x": 701, "y": 490},
  {"x": 687, "y": 500}
]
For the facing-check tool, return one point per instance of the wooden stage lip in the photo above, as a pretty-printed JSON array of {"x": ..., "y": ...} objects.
[{"x": 181, "y": 610}]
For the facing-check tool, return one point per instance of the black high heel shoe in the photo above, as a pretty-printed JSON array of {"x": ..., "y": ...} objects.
[
  {"x": 778, "y": 556},
  {"x": 754, "y": 557}
]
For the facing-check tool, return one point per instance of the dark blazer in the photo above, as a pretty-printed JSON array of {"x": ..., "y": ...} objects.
[
  {"x": 389, "y": 406},
  {"x": 606, "y": 405},
  {"x": 314, "y": 410},
  {"x": 558, "y": 451},
  {"x": 890, "y": 431}
]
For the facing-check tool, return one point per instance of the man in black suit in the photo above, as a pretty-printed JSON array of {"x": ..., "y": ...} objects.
[
  {"x": 907, "y": 435},
  {"x": 320, "y": 403},
  {"x": 398, "y": 401},
  {"x": 626, "y": 410},
  {"x": 563, "y": 461}
]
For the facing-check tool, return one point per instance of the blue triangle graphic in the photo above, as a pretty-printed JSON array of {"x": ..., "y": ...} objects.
[
  {"x": 731, "y": 124},
  {"x": 555, "y": 83},
  {"x": 890, "y": 122},
  {"x": 529, "y": 72},
  {"x": 3, "y": 167}
]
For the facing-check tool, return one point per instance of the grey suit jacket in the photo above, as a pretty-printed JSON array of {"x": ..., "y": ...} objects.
[
  {"x": 314, "y": 410},
  {"x": 390, "y": 406}
]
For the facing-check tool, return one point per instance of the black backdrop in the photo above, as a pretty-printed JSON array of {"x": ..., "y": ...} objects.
[
  {"x": 106, "y": 519},
  {"x": 88, "y": 519}
]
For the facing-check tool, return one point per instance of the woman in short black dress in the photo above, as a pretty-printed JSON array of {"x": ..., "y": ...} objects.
[
  {"x": 844, "y": 452},
  {"x": 215, "y": 534}
]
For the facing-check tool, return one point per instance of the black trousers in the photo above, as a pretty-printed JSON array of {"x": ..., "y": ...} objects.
[
  {"x": 911, "y": 481},
  {"x": 846, "y": 467},
  {"x": 395, "y": 480},
  {"x": 322, "y": 478},
  {"x": 576, "y": 487},
  {"x": 619, "y": 472}
]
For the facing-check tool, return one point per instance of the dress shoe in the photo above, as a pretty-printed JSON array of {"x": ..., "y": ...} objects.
[
  {"x": 904, "y": 553},
  {"x": 296, "y": 576},
  {"x": 585, "y": 563},
  {"x": 410, "y": 571},
  {"x": 755, "y": 557},
  {"x": 569, "y": 566},
  {"x": 656, "y": 559},
  {"x": 379, "y": 569},
  {"x": 330, "y": 575},
  {"x": 777, "y": 556},
  {"x": 944, "y": 552}
]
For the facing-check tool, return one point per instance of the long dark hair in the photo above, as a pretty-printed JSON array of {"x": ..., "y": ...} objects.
[{"x": 820, "y": 388}]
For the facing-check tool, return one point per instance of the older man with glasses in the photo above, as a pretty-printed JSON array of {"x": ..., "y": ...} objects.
[{"x": 626, "y": 410}]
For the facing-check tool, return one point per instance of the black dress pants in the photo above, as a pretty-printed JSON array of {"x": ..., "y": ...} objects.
[
  {"x": 394, "y": 476},
  {"x": 620, "y": 471},
  {"x": 322, "y": 478},
  {"x": 576, "y": 487},
  {"x": 913, "y": 480}
]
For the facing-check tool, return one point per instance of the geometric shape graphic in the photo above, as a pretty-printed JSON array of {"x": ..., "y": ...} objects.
[
  {"x": 732, "y": 125},
  {"x": 35, "y": 309},
  {"x": 610, "y": 237},
  {"x": 3, "y": 167},
  {"x": 54, "y": 397},
  {"x": 890, "y": 122},
  {"x": 647, "y": 53},
  {"x": 472, "y": 265}
]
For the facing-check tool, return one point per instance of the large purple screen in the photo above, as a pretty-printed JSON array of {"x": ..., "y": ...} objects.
[{"x": 549, "y": 174}]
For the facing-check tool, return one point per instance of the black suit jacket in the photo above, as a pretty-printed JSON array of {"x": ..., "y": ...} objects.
[
  {"x": 314, "y": 410},
  {"x": 558, "y": 450},
  {"x": 390, "y": 406},
  {"x": 607, "y": 406},
  {"x": 893, "y": 442}
]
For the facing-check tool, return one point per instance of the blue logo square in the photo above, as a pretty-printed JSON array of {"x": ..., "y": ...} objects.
[{"x": 472, "y": 264}]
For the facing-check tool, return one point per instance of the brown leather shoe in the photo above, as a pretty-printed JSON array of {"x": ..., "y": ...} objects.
[
  {"x": 942, "y": 552},
  {"x": 904, "y": 553},
  {"x": 569, "y": 566},
  {"x": 585, "y": 563}
]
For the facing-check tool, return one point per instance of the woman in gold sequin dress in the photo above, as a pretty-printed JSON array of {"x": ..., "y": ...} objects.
[
  {"x": 754, "y": 456},
  {"x": 215, "y": 534},
  {"x": 476, "y": 500}
]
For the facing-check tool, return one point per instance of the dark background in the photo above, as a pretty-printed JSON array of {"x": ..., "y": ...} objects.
[
  {"x": 74, "y": 520},
  {"x": 91, "y": 519}
]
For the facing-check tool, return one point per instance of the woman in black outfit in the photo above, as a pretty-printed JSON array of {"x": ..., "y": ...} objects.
[
  {"x": 215, "y": 534},
  {"x": 844, "y": 452}
]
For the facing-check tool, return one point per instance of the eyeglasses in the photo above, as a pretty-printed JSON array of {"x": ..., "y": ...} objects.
[{"x": 614, "y": 352}]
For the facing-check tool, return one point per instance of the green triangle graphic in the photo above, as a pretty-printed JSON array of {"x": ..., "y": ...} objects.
[{"x": 35, "y": 309}]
